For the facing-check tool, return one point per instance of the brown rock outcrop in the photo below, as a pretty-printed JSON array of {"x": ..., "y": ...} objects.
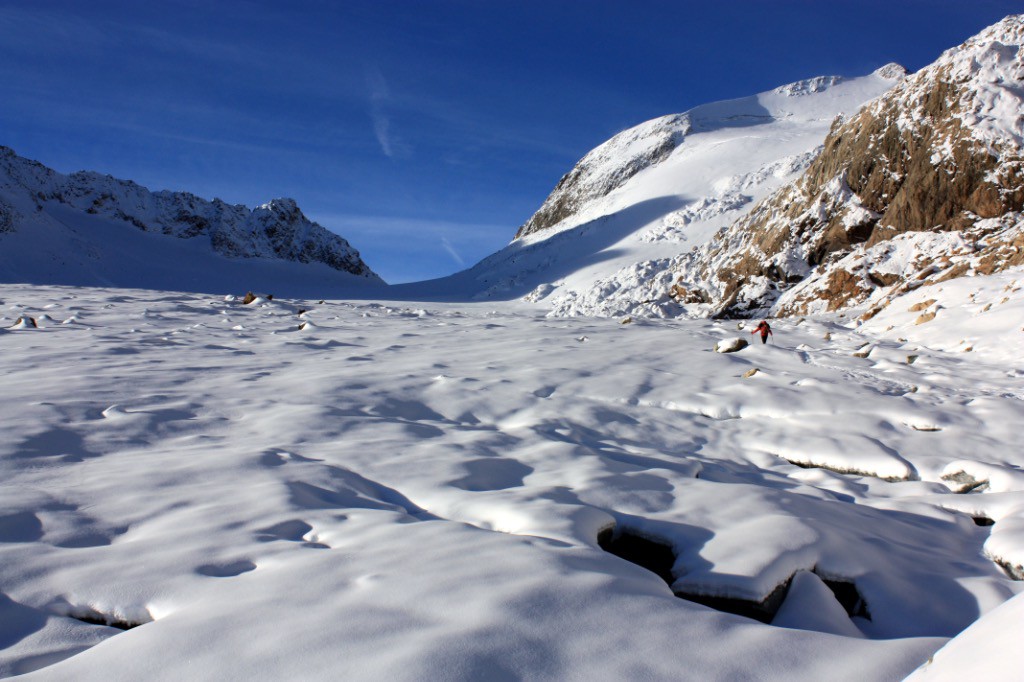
[{"x": 930, "y": 156}]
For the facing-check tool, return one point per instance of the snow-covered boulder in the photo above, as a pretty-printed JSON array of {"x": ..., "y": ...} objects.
[{"x": 731, "y": 345}]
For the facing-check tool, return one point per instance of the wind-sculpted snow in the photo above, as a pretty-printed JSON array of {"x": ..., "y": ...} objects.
[
  {"x": 989, "y": 650},
  {"x": 87, "y": 228},
  {"x": 417, "y": 491}
]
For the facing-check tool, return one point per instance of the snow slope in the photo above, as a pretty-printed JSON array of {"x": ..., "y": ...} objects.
[
  {"x": 375, "y": 490},
  {"x": 95, "y": 230},
  {"x": 989, "y": 650},
  {"x": 658, "y": 190}
]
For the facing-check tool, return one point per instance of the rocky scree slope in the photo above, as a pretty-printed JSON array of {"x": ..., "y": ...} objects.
[
  {"x": 276, "y": 230},
  {"x": 924, "y": 184}
]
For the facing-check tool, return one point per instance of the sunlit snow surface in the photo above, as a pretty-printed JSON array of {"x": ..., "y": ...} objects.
[{"x": 412, "y": 491}]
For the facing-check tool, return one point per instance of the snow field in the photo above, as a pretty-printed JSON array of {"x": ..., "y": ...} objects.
[{"x": 407, "y": 492}]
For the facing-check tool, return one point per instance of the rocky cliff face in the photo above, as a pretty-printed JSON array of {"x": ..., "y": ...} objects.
[
  {"x": 925, "y": 182},
  {"x": 277, "y": 229}
]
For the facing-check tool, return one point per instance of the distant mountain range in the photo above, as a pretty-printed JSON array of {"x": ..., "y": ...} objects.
[{"x": 93, "y": 229}]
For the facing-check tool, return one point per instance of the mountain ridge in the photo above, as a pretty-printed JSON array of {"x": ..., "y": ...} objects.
[
  {"x": 40, "y": 207},
  {"x": 611, "y": 164}
]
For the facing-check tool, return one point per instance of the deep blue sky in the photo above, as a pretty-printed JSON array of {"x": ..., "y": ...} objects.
[{"x": 423, "y": 132}]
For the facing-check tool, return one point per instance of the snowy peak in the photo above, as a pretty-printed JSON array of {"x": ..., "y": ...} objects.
[
  {"x": 940, "y": 152},
  {"x": 608, "y": 167},
  {"x": 611, "y": 165},
  {"x": 40, "y": 206},
  {"x": 891, "y": 71},
  {"x": 977, "y": 84}
]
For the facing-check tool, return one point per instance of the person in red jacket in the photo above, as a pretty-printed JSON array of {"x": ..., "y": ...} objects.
[{"x": 765, "y": 331}]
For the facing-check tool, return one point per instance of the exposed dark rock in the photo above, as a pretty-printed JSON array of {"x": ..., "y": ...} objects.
[
  {"x": 847, "y": 594},
  {"x": 8, "y": 218},
  {"x": 763, "y": 610},
  {"x": 90, "y": 615},
  {"x": 849, "y": 471},
  {"x": 1015, "y": 571},
  {"x": 731, "y": 345},
  {"x": 962, "y": 482}
]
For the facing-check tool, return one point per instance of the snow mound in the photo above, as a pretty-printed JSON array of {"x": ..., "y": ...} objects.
[{"x": 989, "y": 650}]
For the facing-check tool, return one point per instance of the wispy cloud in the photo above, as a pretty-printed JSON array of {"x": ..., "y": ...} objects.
[
  {"x": 452, "y": 252},
  {"x": 32, "y": 30},
  {"x": 380, "y": 95}
]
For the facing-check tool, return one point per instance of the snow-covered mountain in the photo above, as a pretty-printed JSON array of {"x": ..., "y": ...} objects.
[
  {"x": 925, "y": 184},
  {"x": 93, "y": 229},
  {"x": 817, "y": 196},
  {"x": 602, "y": 242}
]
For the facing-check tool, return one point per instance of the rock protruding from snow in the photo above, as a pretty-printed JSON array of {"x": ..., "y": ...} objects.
[
  {"x": 811, "y": 605},
  {"x": 965, "y": 476}
]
